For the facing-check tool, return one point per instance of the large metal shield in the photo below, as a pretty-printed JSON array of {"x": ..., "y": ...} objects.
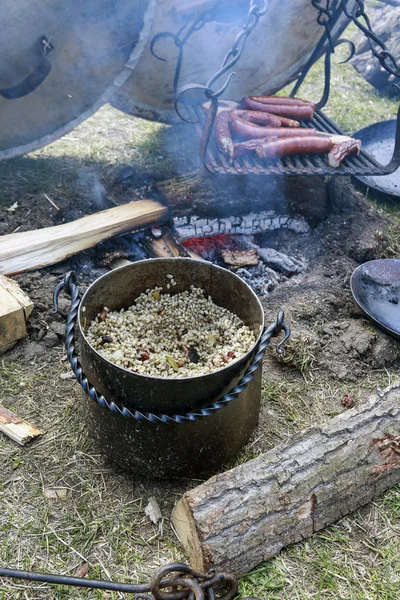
[
  {"x": 60, "y": 61},
  {"x": 276, "y": 51}
]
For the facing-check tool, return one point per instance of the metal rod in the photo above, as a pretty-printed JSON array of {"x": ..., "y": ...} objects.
[{"x": 74, "y": 581}]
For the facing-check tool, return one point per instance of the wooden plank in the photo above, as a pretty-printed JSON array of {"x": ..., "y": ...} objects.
[
  {"x": 240, "y": 518},
  {"x": 15, "y": 308},
  {"x": 16, "y": 428},
  {"x": 35, "y": 249}
]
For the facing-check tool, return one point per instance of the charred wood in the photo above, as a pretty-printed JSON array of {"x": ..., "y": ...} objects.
[{"x": 220, "y": 196}]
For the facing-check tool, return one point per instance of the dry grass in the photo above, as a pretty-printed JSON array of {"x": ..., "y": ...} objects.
[{"x": 100, "y": 520}]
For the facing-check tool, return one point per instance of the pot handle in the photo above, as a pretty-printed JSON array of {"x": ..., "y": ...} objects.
[
  {"x": 68, "y": 285},
  {"x": 36, "y": 77}
]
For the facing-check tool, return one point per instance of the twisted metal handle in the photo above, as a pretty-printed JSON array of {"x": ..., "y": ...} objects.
[{"x": 69, "y": 286}]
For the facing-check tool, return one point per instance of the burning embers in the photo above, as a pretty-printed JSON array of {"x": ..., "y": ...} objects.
[{"x": 261, "y": 268}]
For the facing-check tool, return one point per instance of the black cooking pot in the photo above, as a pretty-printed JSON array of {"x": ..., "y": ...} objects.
[{"x": 167, "y": 427}]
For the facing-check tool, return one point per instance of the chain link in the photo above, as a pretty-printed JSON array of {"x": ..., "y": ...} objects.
[
  {"x": 231, "y": 59},
  {"x": 325, "y": 18},
  {"x": 235, "y": 53},
  {"x": 182, "y": 37},
  {"x": 377, "y": 46},
  {"x": 191, "y": 584}
]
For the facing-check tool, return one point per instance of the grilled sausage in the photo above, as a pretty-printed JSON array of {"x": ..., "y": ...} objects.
[
  {"x": 223, "y": 135},
  {"x": 294, "y": 146},
  {"x": 248, "y": 131},
  {"x": 296, "y": 111},
  {"x": 340, "y": 151},
  {"x": 257, "y": 117},
  {"x": 248, "y": 147},
  {"x": 282, "y": 100},
  {"x": 263, "y": 118}
]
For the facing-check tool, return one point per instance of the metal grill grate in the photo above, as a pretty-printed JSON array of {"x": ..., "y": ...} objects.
[{"x": 215, "y": 162}]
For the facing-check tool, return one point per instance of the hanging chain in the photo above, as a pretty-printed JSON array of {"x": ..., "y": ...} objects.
[
  {"x": 231, "y": 59},
  {"x": 325, "y": 18},
  {"x": 235, "y": 53},
  {"x": 377, "y": 46},
  {"x": 191, "y": 25},
  {"x": 328, "y": 13}
]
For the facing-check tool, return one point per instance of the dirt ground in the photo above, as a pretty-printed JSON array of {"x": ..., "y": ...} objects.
[{"x": 98, "y": 517}]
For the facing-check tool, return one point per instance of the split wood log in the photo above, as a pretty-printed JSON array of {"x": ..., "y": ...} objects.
[
  {"x": 236, "y": 520},
  {"x": 35, "y": 249},
  {"x": 16, "y": 428},
  {"x": 15, "y": 308}
]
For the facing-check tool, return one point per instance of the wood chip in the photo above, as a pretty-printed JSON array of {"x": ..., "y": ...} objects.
[
  {"x": 348, "y": 400},
  {"x": 16, "y": 428},
  {"x": 67, "y": 376},
  {"x": 82, "y": 571},
  {"x": 55, "y": 493}
]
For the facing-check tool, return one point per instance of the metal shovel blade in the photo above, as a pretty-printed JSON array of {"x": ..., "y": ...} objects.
[{"x": 376, "y": 288}]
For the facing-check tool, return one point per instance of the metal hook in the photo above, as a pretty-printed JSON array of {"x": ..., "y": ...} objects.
[
  {"x": 352, "y": 49},
  {"x": 155, "y": 39},
  {"x": 223, "y": 89},
  {"x": 280, "y": 324},
  {"x": 182, "y": 91}
]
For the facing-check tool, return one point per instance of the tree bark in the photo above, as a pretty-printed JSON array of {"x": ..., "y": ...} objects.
[{"x": 236, "y": 520}]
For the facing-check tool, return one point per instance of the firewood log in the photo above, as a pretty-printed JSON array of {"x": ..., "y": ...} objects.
[
  {"x": 240, "y": 518},
  {"x": 35, "y": 249},
  {"x": 15, "y": 308}
]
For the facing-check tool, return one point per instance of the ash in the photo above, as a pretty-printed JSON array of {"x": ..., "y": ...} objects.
[
  {"x": 261, "y": 278},
  {"x": 273, "y": 268}
]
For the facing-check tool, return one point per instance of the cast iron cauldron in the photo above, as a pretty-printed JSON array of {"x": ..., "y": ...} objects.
[{"x": 164, "y": 427}]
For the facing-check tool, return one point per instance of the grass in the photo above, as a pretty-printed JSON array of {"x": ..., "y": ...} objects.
[
  {"x": 101, "y": 520},
  {"x": 353, "y": 103},
  {"x": 357, "y": 559},
  {"x": 299, "y": 354}
]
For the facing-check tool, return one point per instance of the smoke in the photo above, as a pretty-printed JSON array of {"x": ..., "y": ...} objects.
[{"x": 90, "y": 188}]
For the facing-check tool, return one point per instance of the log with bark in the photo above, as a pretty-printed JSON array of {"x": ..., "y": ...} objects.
[
  {"x": 35, "y": 249},
  {"x": 236, "y": 520}
]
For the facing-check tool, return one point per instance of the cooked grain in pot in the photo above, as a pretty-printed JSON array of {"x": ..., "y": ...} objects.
[{"x": 171, "y": 335}]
